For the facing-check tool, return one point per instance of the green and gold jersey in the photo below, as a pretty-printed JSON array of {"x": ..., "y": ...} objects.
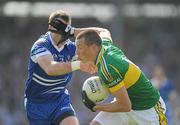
[{"x": 117, "y": 71}]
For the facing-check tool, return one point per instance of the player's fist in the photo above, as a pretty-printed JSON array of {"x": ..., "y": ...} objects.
[
  {"x": 88, "y": 67},
  {"x": 70, "y": 30}
]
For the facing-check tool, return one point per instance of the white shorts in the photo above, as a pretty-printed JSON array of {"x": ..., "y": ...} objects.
[{"x": 152, "y": 116}]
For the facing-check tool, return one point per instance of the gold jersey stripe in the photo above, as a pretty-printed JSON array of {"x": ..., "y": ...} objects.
[
  {"x": 159, "y": 110},
  {"x": 132, "y": 75},
  {"x": 117, "y": 87},
  {"x": 103, "y": 73},
  {"x": 100, "y": 54}
]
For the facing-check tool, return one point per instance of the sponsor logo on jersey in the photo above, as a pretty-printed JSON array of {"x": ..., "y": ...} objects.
[{"x": 115, "y": 82}]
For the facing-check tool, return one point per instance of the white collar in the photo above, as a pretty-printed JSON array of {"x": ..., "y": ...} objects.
[{"x": 53, "y": 43}]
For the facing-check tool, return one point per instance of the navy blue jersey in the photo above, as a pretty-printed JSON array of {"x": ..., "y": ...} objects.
[{"x": 40, "y": 86}]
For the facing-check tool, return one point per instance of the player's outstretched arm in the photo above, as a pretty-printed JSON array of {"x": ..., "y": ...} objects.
[
  {"x": 122, "y": 103},
  {"x": 54, "y": 68}
]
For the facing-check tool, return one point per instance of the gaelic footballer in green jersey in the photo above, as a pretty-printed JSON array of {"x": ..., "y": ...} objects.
[
  {"x": 117, "y": 71},
  {"x": 132, "y": 90}
]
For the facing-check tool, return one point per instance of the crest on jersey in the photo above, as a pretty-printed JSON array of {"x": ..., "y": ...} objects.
[{"x": 55, "y": 57}]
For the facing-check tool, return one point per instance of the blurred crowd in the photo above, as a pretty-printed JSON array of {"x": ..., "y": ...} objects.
[{"x": 145, "y": 42}]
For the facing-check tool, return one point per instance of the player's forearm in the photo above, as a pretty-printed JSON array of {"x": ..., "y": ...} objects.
[
  {"x": 97, "y": 29},
  {"x": 113, "y": 107},
  {"x": 56, "y": 68}
]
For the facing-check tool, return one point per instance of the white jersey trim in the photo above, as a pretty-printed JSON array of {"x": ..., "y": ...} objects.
[
  {"x": 48, "y": 84},
  {"x": 35, "y": 57},
  {"x": 57, "y": 89},
  {"x": 47, "y": 80},
  {"x": 54, "y": 92}
]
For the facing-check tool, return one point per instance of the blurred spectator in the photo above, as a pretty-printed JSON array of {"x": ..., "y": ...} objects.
[
  {"x": 5, "y": 116},
  {"x": 167, "y": 91}
]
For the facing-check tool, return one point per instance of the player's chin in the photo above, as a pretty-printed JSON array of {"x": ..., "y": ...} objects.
[{"x": 79, "y": 58}]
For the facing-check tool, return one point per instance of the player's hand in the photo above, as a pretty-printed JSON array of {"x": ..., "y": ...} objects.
[
  {"x": 88, "y": 67},
  {"x": 87, "y": 102},
  {"x": 69, "y": 31}
]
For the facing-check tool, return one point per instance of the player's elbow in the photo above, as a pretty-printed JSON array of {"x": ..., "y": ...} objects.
[
  {"x": 125, "y": 108},
  {"x": 105, "y": 31},
  {"x": 128, "y": 108},
  {"x": 49, "y": 71}
]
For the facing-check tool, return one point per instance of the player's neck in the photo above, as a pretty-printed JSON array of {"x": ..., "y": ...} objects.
[
  {"x": 96, "y": 53},
  {"x": 55, "y": 40}
]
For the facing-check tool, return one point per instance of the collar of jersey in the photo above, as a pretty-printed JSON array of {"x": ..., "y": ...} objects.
[
  {"x": 99, "y": 56},
  {"x": 53, "y": 43}
]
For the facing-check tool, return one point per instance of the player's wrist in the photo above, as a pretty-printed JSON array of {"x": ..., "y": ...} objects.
[
  {"x": 76, "y": 31},
  {"x": 72, "y": 31},
  {"x": 75, "y": 65}
]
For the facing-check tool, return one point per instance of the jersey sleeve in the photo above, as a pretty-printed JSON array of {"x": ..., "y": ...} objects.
[
  {"x": 37, "y": 51},
  {"x": 112, "y": 78},
  {"x": 106, "y": 41}
]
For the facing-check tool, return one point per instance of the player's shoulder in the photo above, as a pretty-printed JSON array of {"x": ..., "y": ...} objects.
[
  {"x": 113, "y": 54},
  {"x": 109, "y": 70},
  {"x": 40, "y": 44},
  {"x": 42, "y": 40},
  {"x": 113, "y": 62}
]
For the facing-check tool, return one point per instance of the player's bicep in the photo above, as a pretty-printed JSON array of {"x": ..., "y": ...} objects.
[
  {"x": 42, "y": 56},
  {"x": 122, "y": 98},
  {"x": 121, "y": 93}
]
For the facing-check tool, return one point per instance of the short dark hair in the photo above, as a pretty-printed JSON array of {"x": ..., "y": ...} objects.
[
  {"x": 60, "y": 14},
  {"x": 90, "y": 37}
]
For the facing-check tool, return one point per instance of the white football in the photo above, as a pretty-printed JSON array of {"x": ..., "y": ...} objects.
[{"x": 95, "y": 89}]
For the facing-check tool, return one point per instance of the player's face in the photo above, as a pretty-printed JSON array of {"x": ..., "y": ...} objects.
[
  {"x": 58, "y": 37},
  {"x": 83, "y": 51}
]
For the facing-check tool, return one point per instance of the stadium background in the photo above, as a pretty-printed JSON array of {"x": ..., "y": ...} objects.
[{"x": 147, "y": 30}]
